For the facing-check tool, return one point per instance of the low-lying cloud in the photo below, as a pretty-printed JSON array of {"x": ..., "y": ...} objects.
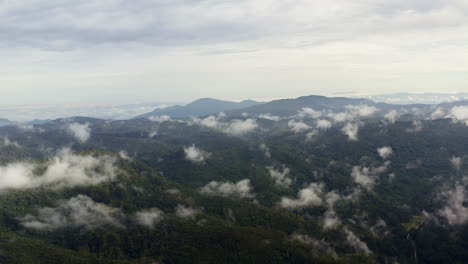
[
  {"x": 241, "y": 189},
  {"x": 385, "y": 152},
  {"x": 307, "y": 197},
  {"x": 79, "y": 211},
  {"x": 196, "y": 155},
  {"x": 81, "y": 132},
  {"x": 66, "y": 169},
  {"x": 149, "y": 217},
  {"x": 455, "y": 211},
  {"x": 280, "y": 176}
]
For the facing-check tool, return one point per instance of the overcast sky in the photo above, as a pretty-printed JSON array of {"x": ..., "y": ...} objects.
[{"x": 126, "y": 51}]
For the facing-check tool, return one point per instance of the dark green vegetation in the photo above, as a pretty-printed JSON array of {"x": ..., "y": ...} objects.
[{"x": 233, "y": 229}]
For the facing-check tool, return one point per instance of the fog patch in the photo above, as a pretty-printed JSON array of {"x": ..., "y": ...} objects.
[
  {"x": 149, "y": 217},
  {"x": 280, "y": 176},
  {"x": 391, "y": 116},
  {"x": 196, "y": 155},
  {"x": 6, "y": 142},
  {"x": 64, "y": 170},
  {"x": 79, "y": 211},
  {"x": 241, "y": 189},
  {"x": 81, "y": 132},
  {"x": 270, "y": 117},
  {"x": 455, "y": 211},
  {"x": 351, "y": 130},
  {"x": 308, "y": 113},
  {"x": 307, "y": 197},
  {"x": 456, "y": 162},
  {"x": 159, "y": 119},
  {"x": 367, "y": 176},
  {"x": 298, "y": 126},
  {"x": 186, "y": 212},
  {"x": 356, "y": 242},
  {"x": 385, "y": 152},
  {"x": 459, "y": 114}
]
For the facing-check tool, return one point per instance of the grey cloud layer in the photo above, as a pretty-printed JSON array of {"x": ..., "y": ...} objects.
[{"x": 68, "y": 24}]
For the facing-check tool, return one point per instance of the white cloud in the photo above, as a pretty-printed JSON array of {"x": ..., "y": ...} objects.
[
  {"x": 438, "y": 113},
  {"x": 385, "y": 152},
  {"x": 210, "y": 121},
  {"x": 391, "y": 116},
  {"x": 196, "y": 155},
  {"x": 159, "y": 119},
  {"x": 79, "y": 211},
  {"x": 330, "y": 218},
  {"x": 149, "y": 217},
  {"x": 455, "y": 211},
  {"x": 298, "y": 126},
  {"x": 81, "y": 132},
  {"x": 242, "y": 127},
  {"x": 456, "y": 162},
  {"x": 365, "y": 176},
  {"x": 6, "y": 142},
  {"x": 234, "y": 127},
  {"x": 417, "y": 127},
  {"x": 265, "y": 150},
  {"x": 241, "y": 189},
  {"x": 324, "y": 124},
  {"x": 124, "y": 155},
  {"x": 356, "y": 242},
  {"x": 308, "y": 113},
  {"x": 459, "y": 114},
  {"x": 351, "y": 130},
  {"x": 281, "y": 177},
  {"x": 64, "y": 170},
  {"x": 361, "y": 110},
  {"x": 270, "y": 117},
  {"x": 185, "y": 212},
  {"x": 309, "y": 196}
]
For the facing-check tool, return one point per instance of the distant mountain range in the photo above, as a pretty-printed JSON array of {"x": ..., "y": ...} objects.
[
  {"x": 6, "y": 122},
  {"x": 200, "y": 107}
]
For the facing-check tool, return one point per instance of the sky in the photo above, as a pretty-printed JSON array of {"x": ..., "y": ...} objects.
[{"x": 127, "y": 51}]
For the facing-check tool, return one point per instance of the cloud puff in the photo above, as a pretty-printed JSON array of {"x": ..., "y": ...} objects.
[
  {"x": 149, "y": 217},
  {"x": 365, "y": 176},
  {"x": 186, "y": 212},
  {"x": 330, "y": 218},
  {"x": 459, "y": 114},
  {"x": 438, "y": 113},
  {"x": 159, "y": 119},
  {"x": 455, "y": 211},
  {"x": 234, "y": 127},
  {"x": 308, "y": 113},
  {"x": 196, "y": 155},
  {"x": 81, "y": 132},
  {"x": 79, "y": 211},
  {"x": 64, "y": 170},
  {"x": 241, "y": 127},
  {"x": 353, "y": 113},
  {"x": 356, "y": 242},
  {"x": 298, "y": 126},
  {"x": 456, "y": 162},
  {"x": 241, "y": 189},
  {"x": 270, "y": 117},
  {"x": 309, "y": 196},
  {"x": 281, "y": 177},
  {"x": 6, "y": 142},
  {"x": 351, "y": 130},
  {"x": 385, "y": 152},
  {"x": 417, "y": 127},
  {"x": 391, "y": 116},
  {"x": 266, "y": 150},
  {"x": 324, "y": 124}
]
